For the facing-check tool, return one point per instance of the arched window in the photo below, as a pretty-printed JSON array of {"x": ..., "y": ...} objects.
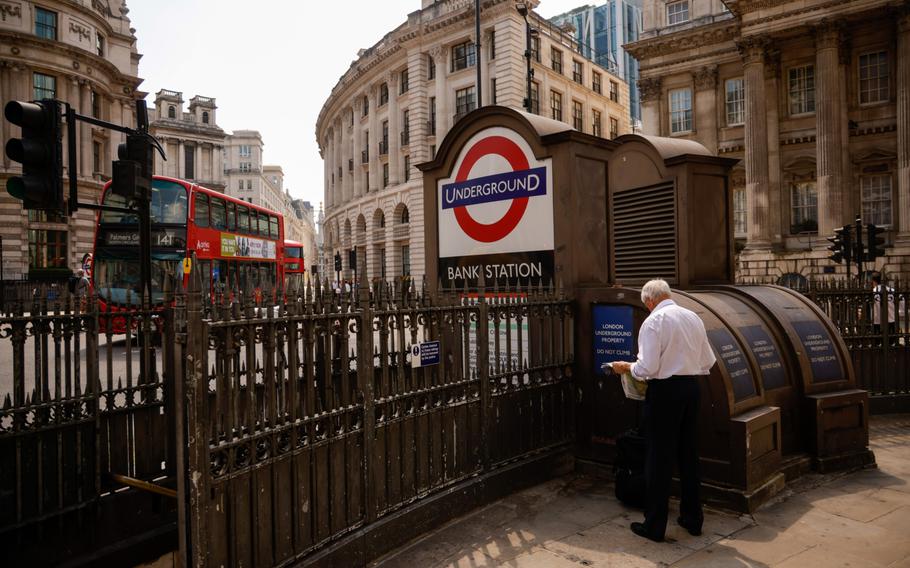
[
  {"x": 205, "y": 117},
  {"x": 171, "y": 112},
  {"x": 405, "y": 216}
]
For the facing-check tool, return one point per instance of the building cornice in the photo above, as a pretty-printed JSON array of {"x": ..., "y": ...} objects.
[
  {"x": 701, "y": 36},
  {"x": 80, "y": 56}
]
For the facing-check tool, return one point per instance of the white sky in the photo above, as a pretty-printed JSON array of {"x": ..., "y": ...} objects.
[{"x": 270, "y": 64}]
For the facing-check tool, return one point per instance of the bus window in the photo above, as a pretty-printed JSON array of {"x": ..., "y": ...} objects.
[
  {"x": 254, "y": 222},
  {"x": 218, "y": 214},
  {"x": 202, "y": 210},
  {"x": 273, "y": 227},
  {"x": 263, "y": 224},
  {"x": 219, "y": 276},
  {"x": 243, "y": 214},
  {"x": 231, "y": 217},
  {"x": 168, "y": 202}
]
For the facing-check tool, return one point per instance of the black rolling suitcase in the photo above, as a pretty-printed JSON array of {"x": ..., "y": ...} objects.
[{"x": 629, "y": 468}]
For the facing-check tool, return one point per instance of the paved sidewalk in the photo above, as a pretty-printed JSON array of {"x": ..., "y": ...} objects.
[{"x": 861, "y": 519}]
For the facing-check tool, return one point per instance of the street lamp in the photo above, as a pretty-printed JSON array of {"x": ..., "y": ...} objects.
[{"x": 524, "y": 9}]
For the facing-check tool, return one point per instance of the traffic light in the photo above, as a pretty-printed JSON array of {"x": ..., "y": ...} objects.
[
  {"x": 132, "y": 173},
  {"x": 840, "y": 246},
  {"x": 337, "y": 262},
  {"x": 40, "y": 152},
  {"x": 876, "y": 242}
]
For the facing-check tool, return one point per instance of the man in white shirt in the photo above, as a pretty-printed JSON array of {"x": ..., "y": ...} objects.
[
  {"x": 877, "y": 302},
  {"x": 673, "y": 351}
]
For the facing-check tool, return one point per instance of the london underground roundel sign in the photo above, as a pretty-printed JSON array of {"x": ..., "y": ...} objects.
[{"x": 496, "y": 212}]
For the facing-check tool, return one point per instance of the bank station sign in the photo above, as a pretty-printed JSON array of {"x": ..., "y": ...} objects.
[{"x": 496, "y": 213}]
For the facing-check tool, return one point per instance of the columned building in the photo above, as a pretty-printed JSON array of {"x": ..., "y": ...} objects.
[
  {"x": 84, "y": 54},
  {"x": 193, "y": 141},
  {"x": 398, "y": 99},
  {"x": 812, "y": 96}
]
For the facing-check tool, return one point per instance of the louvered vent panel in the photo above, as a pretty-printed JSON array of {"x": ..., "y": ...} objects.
[{"x": 644, "y": 233}]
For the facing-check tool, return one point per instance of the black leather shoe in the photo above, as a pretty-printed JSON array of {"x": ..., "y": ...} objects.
[
  {"x": 641, "y": 530},
  {"x": 694, "y": 529}
]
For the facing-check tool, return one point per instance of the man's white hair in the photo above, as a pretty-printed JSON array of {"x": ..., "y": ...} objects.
[{"x": 655, "y": 290}]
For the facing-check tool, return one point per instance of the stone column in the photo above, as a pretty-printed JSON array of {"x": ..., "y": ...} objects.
[
  {"x": 339, "y": 153},
  {"x": 346, "y": 187},
  {"x": 903, "y": 127},
  {"x": 359, "y": 182},
  {"x": 394, "y": 131},
  {"x": 324, "y": 153},
  {"x": 443, "y": 112},
  {"x": 705, "y": 79},
  {"x": 778, "y": 203},
  {"x": 375, "y": 138},
  {"x": 649, "y": 94},
  {"x": 6, "y": 95},
  {"x": 828, "y": 129},
  {"x": 758, "y": 234},
  {"x": 330, "y": 166},
  {"x": 181, "y": 160}
]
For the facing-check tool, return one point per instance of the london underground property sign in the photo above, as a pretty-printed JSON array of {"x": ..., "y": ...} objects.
[{"x": 496, "y": 213}]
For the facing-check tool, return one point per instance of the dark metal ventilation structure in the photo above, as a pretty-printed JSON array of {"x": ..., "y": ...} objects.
[{"x": 644, "y": 233}]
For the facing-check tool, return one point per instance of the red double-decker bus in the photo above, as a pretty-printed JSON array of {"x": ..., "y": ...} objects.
[
  {"x": 294, "y": 263},
  {"x": 238, "y": 245}
]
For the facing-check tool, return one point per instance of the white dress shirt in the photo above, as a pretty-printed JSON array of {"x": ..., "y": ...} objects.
[{"x": 672, "y": 341}]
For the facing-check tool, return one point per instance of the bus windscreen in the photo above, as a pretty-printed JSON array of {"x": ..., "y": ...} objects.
[{"x": 117, "y": 275}]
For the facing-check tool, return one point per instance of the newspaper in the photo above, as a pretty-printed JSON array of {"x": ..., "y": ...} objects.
[{"x": 633, "y": 388}]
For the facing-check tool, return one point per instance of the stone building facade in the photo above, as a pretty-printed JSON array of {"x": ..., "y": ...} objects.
[
  {"x": 192, "y": 140},
  {"x": 397, "y": 101},
  {"x": 82, "y": 53},
  {"x": 812, "y": 95}
]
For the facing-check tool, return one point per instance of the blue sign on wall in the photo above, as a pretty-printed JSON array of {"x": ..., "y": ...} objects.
[
  {"x": 731, "y": 357},
  {"x": 820, "y": 350},
  {"x": 424, "y": 354},
  {"x": 613, "y": 335}
]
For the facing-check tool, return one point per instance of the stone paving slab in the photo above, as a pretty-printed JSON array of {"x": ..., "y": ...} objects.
[{"x": 859, "y": 519}]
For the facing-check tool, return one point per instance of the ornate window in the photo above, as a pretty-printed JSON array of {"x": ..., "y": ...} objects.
[
  {"x": 801, "y": 82},
  {"x": 99, "y": 44},
  {"x": 556, "y": 59},
  {"x": 735, "y": 102},
  {"x": 535, "y": 48},
  {"x": 45, "y": 86},
  {"x": 677, "y": 12},
  {"x": 463, "y": 56},
  {"x": 383, "y": 94},
  {"x": 739, "y": 212},
  {"x": 680, "y": 110},
  {"x": 555, "y": 105},
  {"x": 171, "y": 112},
  {"x": 876, "y": 198},
  {"x": 597, "y": 82},
  {"x": 431, "y": 67},
  {"x": 465, "y": 101},
  {"x": 404, "y": 81},
  {"x": 614, "y": 91},
  {"x": 874, "y": 79},
  {"x": 597, "y": 123},
  {"x": 47, "y": 249},
  {"x": 803, "y": 207},
  {"x": 45, "y": 23},
  {"x": 578, "y": 122},
  {"x": 405, "y": 260},
  {"x": 578, "y": 72},
  {"x": 366, "y": 105},
  {"x": 535, "y": 97},
  {"x": 614, "y": 127},
  {"x": 205, "y": 117}
]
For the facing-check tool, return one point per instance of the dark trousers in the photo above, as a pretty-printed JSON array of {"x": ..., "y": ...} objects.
[{"x": 671, "y": 418}]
